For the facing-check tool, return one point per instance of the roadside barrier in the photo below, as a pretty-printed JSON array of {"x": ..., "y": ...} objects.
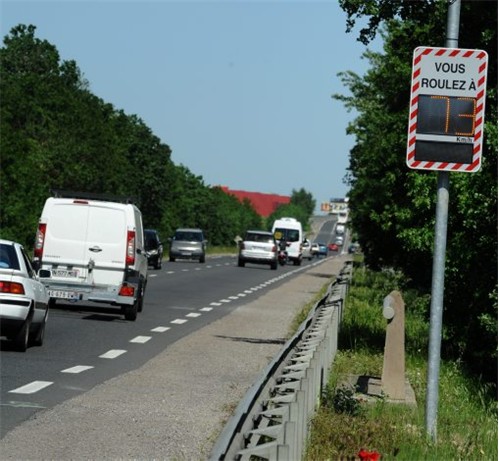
[{"x": 272, "y": 420}]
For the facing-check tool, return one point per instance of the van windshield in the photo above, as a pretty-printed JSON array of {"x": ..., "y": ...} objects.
[{"x": 290, "y": 235}]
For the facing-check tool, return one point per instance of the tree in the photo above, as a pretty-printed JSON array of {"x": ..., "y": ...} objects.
[{"x": 392, "y": 208}]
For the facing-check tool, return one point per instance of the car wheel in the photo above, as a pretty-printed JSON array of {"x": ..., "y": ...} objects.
[
  {"x": 130, "y": 310},
  {"x": 240, "y": 262},
  {"x": 172, "y": 259},
  {"x": 202, "y": 259},
  {"x": 273, "y": 266},
  {"x": 40, "y": 333},
  {"x": 158, "y": 264},
  {"x": 21, "y": 340}
]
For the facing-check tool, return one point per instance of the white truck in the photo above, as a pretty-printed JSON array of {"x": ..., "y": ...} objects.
[
  {"x": 92, "y": 250},
  {"x": 290, "y": 230}
]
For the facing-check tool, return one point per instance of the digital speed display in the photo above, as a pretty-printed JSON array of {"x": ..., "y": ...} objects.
[{"x": 446, "y": 115}]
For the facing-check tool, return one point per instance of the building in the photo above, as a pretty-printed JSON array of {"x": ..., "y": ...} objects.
[{"x": 264, "y": 204}]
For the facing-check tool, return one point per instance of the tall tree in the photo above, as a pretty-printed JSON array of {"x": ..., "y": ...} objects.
[{"x": 392, "y": 208}]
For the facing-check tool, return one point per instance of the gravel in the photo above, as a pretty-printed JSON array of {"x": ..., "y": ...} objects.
[{"x": 174, "y": 406}]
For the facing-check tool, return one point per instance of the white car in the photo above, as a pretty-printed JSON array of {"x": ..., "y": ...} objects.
[
  {"x": 258, "y": 247},
  {"x": 307, "y": 250},
  {"x": 24, "y": 301}
]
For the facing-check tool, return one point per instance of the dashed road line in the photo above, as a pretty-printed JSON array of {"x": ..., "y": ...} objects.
[
  {"x": 178, "y": 321},
  {"x": 160, "y": 329},
  {"x": 31, "y": 388},
  {"x": 77, "y": 369},
  {"x": 112, "y": 354},
  {"x": 140, "y": 339}
]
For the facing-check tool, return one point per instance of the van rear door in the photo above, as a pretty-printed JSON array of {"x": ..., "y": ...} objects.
[{"x": 64, "y": 247}]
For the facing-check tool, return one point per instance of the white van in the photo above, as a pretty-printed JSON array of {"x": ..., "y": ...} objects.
[
  {"x": 291, "y": 231},
  {"x": 88, "y": 249}
]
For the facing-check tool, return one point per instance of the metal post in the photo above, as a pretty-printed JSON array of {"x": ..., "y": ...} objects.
[{"x": 437, "y": 287}]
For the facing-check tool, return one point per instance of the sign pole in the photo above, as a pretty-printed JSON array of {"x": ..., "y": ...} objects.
[{"x": 437, "y": 288}]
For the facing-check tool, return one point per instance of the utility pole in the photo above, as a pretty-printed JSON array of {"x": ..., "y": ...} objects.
[{"x": 437, "y": 289}]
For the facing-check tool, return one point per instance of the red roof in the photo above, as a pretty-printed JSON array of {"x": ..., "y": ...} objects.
[{"x": 264, "y": 204}]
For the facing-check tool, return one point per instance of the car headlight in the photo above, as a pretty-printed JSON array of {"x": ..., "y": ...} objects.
[{"x": 153, "y": 252}]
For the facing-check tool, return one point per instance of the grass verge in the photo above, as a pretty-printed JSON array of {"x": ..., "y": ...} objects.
[{"x": 347, "y": 422}]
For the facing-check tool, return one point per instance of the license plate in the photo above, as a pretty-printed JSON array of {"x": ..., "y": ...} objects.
[
  {"x": 61, "y": 294},
  {"x": 64, "y": 273}
]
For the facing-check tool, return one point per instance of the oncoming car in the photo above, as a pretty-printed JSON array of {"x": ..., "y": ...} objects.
[
  {"x": 258, "y": 247},
  {"x": 24, "y": 301}
]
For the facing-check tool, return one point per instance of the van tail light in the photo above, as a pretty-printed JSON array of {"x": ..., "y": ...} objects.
[
  {"x": 130, "y": 248},
  {"x": 40, "y": 240},
  {"x": 12, "y": 288},
  {"x": 127, "y": 290}
]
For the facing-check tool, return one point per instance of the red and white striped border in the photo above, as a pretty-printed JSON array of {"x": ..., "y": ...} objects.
[{"x": 419, "y": 53}]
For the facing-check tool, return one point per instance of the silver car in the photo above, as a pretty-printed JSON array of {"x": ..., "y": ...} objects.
[
  {"x": 24, "y": 301},
  {"x": 188, "y": 243},
  {"x": 258, "y": 247}
]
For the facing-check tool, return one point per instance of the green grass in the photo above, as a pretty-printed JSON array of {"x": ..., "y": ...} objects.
[{"x": 467, "y": 411}]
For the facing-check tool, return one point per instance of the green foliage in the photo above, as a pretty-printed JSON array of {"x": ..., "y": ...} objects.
[
  {"x": 341, "y": 400},
  {"x": 467, "y": 417},
  {"x": 392, "y": 207},
  {"x": 57, "y": 135}
]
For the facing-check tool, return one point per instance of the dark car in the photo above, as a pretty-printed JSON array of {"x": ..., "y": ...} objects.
[{"x": 154, "y": 248}]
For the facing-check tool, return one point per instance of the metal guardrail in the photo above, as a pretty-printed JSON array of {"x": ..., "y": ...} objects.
[{"x": 272, "y": 420}]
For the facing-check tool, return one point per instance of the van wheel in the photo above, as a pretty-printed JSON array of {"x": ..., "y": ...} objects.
[
  {"x": 202, "y": 259},
  {"x": 130, "y": 311},
  {"x": 141, "y": 298},
  {"x": 240, "y": 262}
]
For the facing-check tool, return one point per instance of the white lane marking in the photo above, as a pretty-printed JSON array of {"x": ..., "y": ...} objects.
[
  {"x": 178, "y": 321},
  {"x": 31, "y": 388},
  {"x": 241, "y": 295},
  {"x": 248, "y": 291},
  {"x": 198, "y": 269},
  {"x": 206, "y": 309},
  {"x": 233, "y": 297},
  {"x": 160, "y": 329},
  {"x": 140, "y": 339},
  {"x": 77, "y": 369},
  {"x": 225, "y": 300},
  {"x": 152, "y": 275},
  {"x": 215, "y": 304},
  {"x": 193, "y": 314},
  {"x": 185, "y": 270},
  {"x": 112, "y": 354},
  {"x": 170, "y": 272}
]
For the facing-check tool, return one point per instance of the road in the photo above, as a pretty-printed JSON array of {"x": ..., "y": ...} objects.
[{"x": 85, "y": 348}]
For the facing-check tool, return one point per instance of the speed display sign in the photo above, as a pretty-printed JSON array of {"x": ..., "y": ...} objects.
[{"x": 447, "y": 108}]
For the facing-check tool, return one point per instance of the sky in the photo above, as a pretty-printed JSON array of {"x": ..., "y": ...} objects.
[{"x": 239, "y": 90}]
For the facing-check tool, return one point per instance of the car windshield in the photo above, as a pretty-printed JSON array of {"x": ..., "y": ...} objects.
[
  {"x": 188, "y": 236},
  {"x": 255, "y": 237},
  {"x": 8, "y": 257}
]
